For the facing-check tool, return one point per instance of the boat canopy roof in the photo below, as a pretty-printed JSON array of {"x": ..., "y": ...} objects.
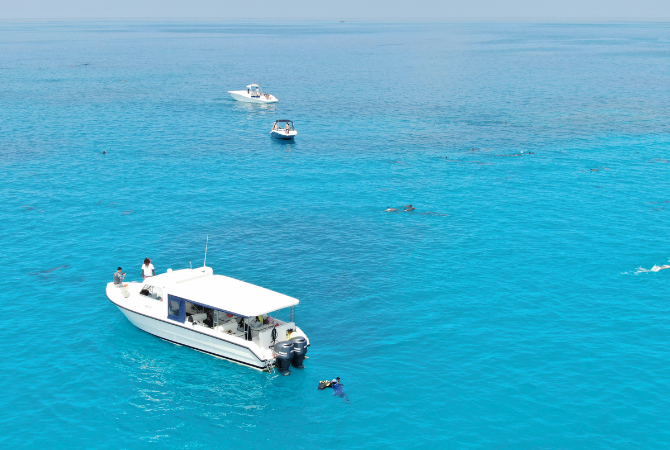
[
  {"x": 283, "y": 121},
  {"x": 253, "y": 86},
  {"x": 221, "y": 292}
]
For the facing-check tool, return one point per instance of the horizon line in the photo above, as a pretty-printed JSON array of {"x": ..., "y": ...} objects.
[{"x": 562, "y": 20}]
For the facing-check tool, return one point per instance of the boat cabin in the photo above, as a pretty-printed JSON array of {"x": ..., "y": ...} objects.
[
  {"x": 219, "y": 304},
  {"x": 254, "y": 90}
]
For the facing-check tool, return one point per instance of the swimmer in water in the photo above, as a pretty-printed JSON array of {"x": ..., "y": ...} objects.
[
  {"x": 389, "y": 209},
  {"x": 338, "y": 389},
  {"x": 104, "y": 152},
  {"x": 408, "y": 208}
]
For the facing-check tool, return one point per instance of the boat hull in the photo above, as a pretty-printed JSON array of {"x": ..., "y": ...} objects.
[
  {"x": 194, "y": 339},
  {"x": 281, "y": 134},
  {"x": 243, "y": 96}
]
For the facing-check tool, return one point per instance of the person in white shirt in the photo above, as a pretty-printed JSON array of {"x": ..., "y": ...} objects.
[{"x": 148, "y": 269}]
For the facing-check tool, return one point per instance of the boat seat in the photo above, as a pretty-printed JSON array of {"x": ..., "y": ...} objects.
[{"x": 228, "y": 326}]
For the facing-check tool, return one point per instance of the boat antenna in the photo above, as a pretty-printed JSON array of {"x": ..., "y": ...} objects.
[{"x": 205, "y": 263}]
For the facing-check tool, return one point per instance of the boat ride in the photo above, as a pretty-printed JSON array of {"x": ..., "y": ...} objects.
[
  {"x": 283, "y": 129},
  {"x": 253, "y": 94},
  {"x": 216, "y": 314}
]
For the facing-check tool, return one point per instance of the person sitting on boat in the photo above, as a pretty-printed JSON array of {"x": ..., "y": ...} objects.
[
  {"x": 148, "y": 269},
  {"x": 275, "y": 127},
  {"x": 288, "y": 128},
  {"x": 118, "y": 278}
]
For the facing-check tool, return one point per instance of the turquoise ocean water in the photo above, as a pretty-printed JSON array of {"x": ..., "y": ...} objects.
[{"x": 513, "y": 309}]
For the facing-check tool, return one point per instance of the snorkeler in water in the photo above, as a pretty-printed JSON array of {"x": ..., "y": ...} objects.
[{"x": 338, "y": 389}]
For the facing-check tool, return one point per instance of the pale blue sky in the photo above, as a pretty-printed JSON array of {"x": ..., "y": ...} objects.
[{"x": 394, "y": 10}]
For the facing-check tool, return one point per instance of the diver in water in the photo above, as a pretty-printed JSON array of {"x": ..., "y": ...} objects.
[
  {"x": 329, "y": 384},
  {"x": 338, "y": 389}
]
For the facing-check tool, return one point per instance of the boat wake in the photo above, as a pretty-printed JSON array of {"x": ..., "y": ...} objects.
[{"x": 655, "y": 268}]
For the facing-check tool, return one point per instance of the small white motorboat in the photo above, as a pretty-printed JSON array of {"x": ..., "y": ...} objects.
[
  {"x": 283, "y": 129},
  {"x": 253, "y": 94},
  {"x": 215, "y": 314}
]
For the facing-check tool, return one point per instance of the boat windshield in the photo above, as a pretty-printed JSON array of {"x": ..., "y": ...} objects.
[
  {"x": 281, "y": 124},
  {"x": 152, "y": 292},
  {"x": 255, "y": 90}
]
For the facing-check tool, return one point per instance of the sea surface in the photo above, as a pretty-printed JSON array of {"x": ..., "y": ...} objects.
[{"x": 514, "y": 308}]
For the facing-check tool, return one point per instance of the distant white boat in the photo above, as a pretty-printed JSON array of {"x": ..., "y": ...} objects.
[
  {"x": 283, "y": 129},
  {"x": 215, "y": 314},
  {"x": 253, "y": 94}
]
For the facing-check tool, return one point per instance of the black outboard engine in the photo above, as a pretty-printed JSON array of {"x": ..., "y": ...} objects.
[
  {"x": 299, "y": 351},
  {"x": 284, "y": 355}
]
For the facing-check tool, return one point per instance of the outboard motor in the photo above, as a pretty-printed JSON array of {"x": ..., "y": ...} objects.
[
  {"x": 284, "y": 355},
  {"x": 299, "y": 351}
]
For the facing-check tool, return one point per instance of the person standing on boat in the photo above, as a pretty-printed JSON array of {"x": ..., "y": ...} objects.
[
  {"x": 148, "y": 269},
  {"x": 118, "y": 278},
  {"x": 288, "y": 128}
]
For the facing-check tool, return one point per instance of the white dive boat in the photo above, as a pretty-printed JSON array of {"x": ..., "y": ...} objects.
[
  {"x": 283, "y": 129},
  {"x": 215, "y": 314},
  {"x": 253, "y": 94}
]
